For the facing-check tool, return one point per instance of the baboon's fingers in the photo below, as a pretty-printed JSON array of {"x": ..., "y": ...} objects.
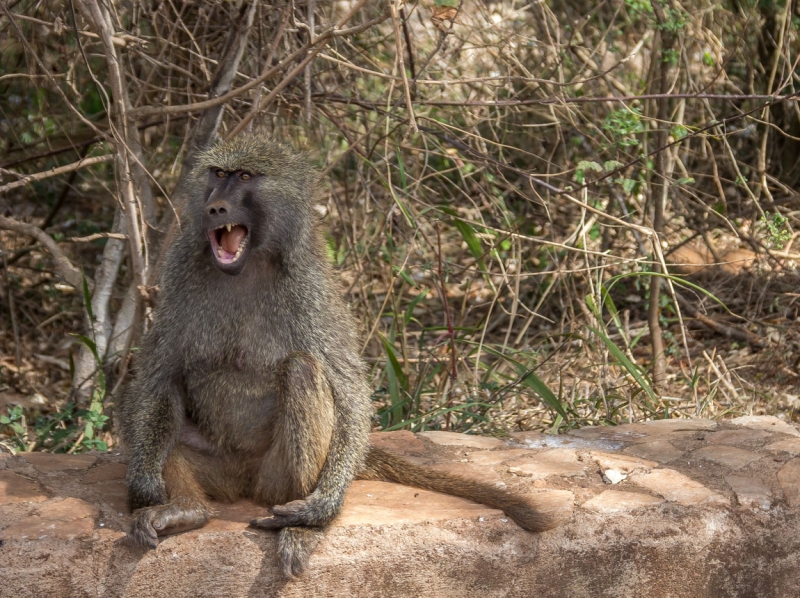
[
  {"x": 295, "y": 508},
  {"x": 175, "y": 518},
  {"x": 275, "y": 522},
  {"x": 150, "y": 522},
  {"x": 142, "y": 533},
  {"x": 265, "y": 523},
  {"x": 292, "y": 513}
]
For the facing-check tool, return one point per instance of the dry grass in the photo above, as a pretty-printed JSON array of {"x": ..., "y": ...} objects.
[{"x": 489, "y": 197}]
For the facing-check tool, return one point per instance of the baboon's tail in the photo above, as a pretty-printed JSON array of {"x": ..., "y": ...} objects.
[{"x": 535, "y": 513}]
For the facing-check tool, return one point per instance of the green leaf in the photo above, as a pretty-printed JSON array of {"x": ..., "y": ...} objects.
[
  {"x": 529, "y": 379},
  {"x": 397, "y": 381},
  {"x": 393, "y": 361},
  {"x": 412, "y": 304},
  {"x": 440, "y": 3},
  {"x": 87, "y": 297},
  {"x": 582, "y": 167},
  {"x": 622, "y": 122},
  {"x": 532, "y": 381},
  {"x": 89, "y": 343},
  {"x": 471, "y": 239},
  {"x": 593, "y": 307},
  {"x": 341, "y": 254},
  {"x": 556, "y": 425},
  {"x": 330, "y": 249},
  {"x": 611, "y": 307},
  {"x": 676, "y": 279},
  {"x": 589, "y": 165},
  {"x": 628, "y": 185},
  {"x": 623, "y": 360},
  {"x": 101, "y": 383},
  {"x": 401, "y": 167},
  {"x": 404, "y": 275},
  {"x": 679, "y": 131}
]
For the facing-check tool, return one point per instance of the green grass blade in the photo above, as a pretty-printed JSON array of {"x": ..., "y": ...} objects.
[
  {"x": 676, "y": 279},
  {"x": 470, "y": 238},
  {"x": 87, "y": 299},
  {"x": 532, "y": 381},
  {"x": 393, "y": 361},
  {"x": 412, "y": 304},
  {"x": 90, "y": 344},
  {"x": 623, "y": 360}
]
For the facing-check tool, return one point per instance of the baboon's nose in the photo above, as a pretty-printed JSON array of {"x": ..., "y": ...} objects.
[{"x": 219, "y": 208}]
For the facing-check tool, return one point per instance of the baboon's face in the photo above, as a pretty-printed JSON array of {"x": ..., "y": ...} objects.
[{"x": 230, "y": 217}]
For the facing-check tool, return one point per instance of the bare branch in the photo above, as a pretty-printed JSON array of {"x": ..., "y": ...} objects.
[
  {"x": 101, "y": 20},
  {"x": 315, "y": 47},
  {"x": 119, "y": 40},
  {"x": 412, "y": 121},
  {"x": 47, "y": 72},
  {"x": 66, "y": 270},
  {"x": 276, "y": 90},
  {"x": 95, "y": 237},
  {"x": 39, "y": 176},
  {"x": 136, "y": 196},
  {"x": 206, "y": 128}
]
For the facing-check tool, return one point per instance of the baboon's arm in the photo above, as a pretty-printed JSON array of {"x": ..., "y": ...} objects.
[
  {"x": 348, "y": 449},
  {"x": 152, "y": 417}
]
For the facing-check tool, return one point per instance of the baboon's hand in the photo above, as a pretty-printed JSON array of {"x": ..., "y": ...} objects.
[
  {"x": 150, "y": 522},
  {"x": 312, "y": 511}
]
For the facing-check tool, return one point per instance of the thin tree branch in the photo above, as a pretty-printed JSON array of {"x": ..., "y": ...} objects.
[
  {"x": 412, "y": 121},
  {"x": 659, "y": 189},
  {"x": 64, "y": 267},
  {"x": 319, "y": 43},
  {"x": 40, "y": 176}
]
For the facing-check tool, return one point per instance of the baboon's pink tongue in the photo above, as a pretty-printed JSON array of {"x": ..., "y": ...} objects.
[{"x": 230, "y": 240}]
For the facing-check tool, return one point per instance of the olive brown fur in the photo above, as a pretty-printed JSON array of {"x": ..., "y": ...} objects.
[{"x": 249, "y": 383}]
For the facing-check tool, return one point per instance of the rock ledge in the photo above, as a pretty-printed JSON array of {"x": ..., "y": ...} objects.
[{"x": 671, "y": 508}]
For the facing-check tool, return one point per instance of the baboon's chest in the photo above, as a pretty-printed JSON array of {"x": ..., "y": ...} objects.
[
  {"x": 230, "y": 391},
  {"x": 230, "y": 355}
]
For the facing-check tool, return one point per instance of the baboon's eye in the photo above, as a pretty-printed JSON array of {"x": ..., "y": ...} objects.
[
  {"x": 221, "y": 174},
  {"x": 245, "y": 176}
]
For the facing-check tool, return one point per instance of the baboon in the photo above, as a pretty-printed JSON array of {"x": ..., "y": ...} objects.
[{"x": 249, "y": 383}]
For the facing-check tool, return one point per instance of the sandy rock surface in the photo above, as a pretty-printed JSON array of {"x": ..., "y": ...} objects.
[{"x": 673, "y": 508}]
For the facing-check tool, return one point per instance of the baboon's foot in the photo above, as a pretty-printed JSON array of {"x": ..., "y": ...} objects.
[{"x": 149, "y": 523}]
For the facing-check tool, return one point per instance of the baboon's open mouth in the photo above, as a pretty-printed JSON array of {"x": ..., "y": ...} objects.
[{"x": 228, "y": 242}]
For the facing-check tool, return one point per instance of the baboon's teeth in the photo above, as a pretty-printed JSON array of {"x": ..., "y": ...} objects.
[
  {"x": 240, "y": 249},
  {"x": 223, "y": 255}
]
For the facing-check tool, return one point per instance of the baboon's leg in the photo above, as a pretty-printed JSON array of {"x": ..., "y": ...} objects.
[
  {"x": 295, "y": 545},
  {"x": 190, "y": 476},
  {"x": 301, "y": 430}
]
